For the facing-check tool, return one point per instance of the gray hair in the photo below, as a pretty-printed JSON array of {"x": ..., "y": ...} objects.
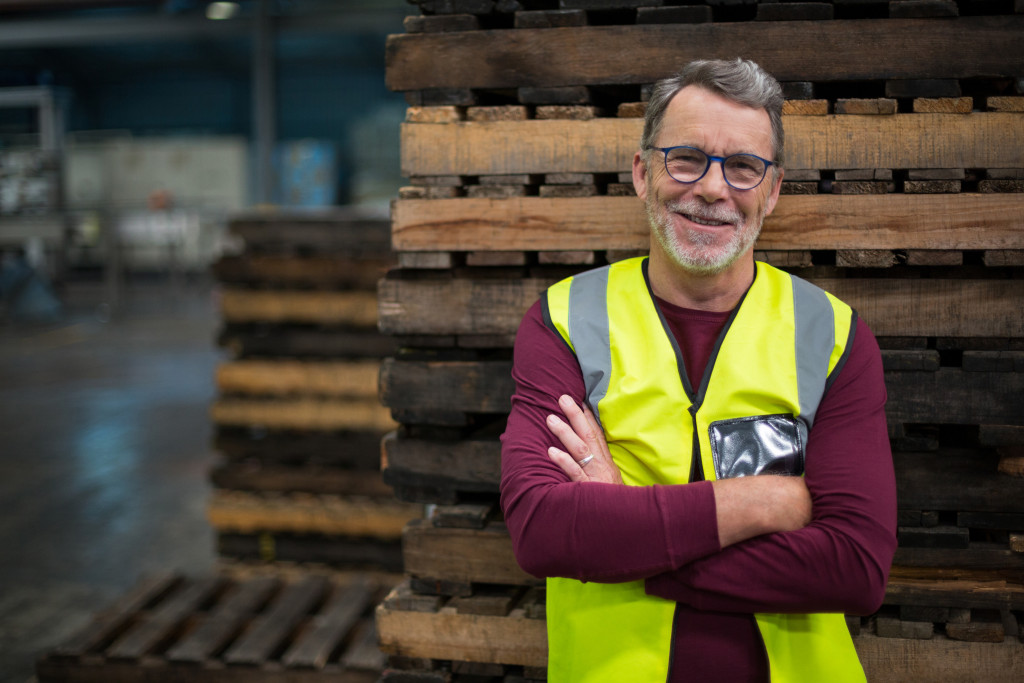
[{"x": 739, "y": 80}]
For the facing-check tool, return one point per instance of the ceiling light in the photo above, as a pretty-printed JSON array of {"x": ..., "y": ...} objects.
[{"x": 221, "y": 10}]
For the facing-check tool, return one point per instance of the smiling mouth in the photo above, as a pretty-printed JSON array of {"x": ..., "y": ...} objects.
[{"x": 703, "y": 221}]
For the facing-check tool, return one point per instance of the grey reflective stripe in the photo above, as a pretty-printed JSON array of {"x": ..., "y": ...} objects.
[
  {"x": 588, "y": 331},
  {"x": 815, "y": 338}
]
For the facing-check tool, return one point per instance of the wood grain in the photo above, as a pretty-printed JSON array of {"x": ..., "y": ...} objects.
[
  {"x": 791, "y": 51},
  {"x": 895, "y": 221}
]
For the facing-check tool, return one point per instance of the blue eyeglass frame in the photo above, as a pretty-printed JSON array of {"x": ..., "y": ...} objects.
[{"x": 721, "y": 160}]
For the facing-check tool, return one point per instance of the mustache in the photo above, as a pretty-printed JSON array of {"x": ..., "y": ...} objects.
[{"x": 705, "y": 211}]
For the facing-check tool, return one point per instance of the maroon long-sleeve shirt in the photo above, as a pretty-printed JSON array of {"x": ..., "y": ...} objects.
[{"x": 668, "y": 535}]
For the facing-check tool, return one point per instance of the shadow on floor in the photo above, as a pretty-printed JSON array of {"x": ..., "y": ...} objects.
[{"x": 104, "y": 452}]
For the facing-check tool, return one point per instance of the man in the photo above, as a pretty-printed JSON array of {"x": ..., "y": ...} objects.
[{"x": 670, "y": 550}]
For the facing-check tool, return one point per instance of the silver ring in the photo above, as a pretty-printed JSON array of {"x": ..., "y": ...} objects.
[{"x": 586, "y": 461}]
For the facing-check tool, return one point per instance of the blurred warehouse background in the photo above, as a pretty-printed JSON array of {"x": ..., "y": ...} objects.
[{"x": 129, "y": 130}]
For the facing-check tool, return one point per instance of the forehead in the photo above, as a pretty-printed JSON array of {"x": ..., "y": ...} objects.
[{"x": 701, "y": 118}]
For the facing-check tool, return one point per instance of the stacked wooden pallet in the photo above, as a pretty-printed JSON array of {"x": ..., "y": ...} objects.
[
  {"x": 904, "y": 196},
  {"x": 298, "y": 418},
  {"x": 219, "y": 629}
]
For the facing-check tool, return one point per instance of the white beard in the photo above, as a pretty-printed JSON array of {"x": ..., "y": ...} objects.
[{"x": 698, "y": 254}]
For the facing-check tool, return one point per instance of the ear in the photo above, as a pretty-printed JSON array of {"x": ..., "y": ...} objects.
[
  {"x": 773, "y": 195},
  {"x": 639, "y": 176}
]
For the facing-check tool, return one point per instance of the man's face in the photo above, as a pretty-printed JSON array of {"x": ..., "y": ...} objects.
[{"x": 706, "y": 226}]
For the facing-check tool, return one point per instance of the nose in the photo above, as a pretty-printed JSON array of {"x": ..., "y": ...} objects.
[{"x": 712, "y": 186}]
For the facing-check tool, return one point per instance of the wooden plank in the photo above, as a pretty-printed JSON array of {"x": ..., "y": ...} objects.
[
  {"x": 326, "y": 308},
  {"x": 338, "y": 229},
  {"x": 977, "y": 140},
  {"x": 221, "y": 625},
  {"x": 300, "y": 341},
  {"x": 312, "y": 550},
  {"x": 158, "y": 626},
  {"x": 321, "y": 270},
  {"x": 456, "y": 306},
  {"x": 462, "y": 555},
  {"x": 953, "y": 396},
  {"x": 517, "y": 640},
  {"x": 111, "y": 621},
  {"x": 451, "y": 385},
  {"x": 872, "y": 49},
  {"x": 513, "y": 639},
  {"x": 955, "y": 480},
  {"x": 268, "y": 631},
  {"x": 330, "y": 626},
  {"x": 939, "y": 660},
  {"x": 892, "y": 307},
  {"x": 469, "y": 461},
  {"x": 303, "y": 413},
  {"x": 982, "y": 557},
  {"x": 268, "y": 377},
  {"x": 799, "y": 222},
  {"x": 947, "y": 395},
  {"x": 304, "y": 479},
  {"x": 242, "y": 512},
  {"x": 357, "y": 450}
]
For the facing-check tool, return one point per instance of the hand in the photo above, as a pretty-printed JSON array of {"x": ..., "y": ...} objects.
[{"x": 586, "y": 456}]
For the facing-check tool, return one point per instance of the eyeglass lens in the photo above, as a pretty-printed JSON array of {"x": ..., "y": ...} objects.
[{"x": 742, "y": 171}]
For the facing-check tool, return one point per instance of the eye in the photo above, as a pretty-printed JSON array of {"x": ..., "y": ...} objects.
[{"x": 687, "y": 157}]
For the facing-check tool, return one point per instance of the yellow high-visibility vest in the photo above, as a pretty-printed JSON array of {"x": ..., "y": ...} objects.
[{"x": 751, "y": 414}]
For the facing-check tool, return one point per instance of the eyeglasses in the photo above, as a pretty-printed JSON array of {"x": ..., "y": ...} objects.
[{"x": 689, "y": 164}]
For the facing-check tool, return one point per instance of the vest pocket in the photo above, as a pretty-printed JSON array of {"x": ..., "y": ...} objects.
[{"x": 760, "y": 444}]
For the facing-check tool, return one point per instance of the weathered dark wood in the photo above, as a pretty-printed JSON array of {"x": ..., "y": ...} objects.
[
  {"x": 871, "y": 49},
  {"x": 320, "y": 270},
  {"x": 221, "y": 625},
  {"x": 957, "y": 593},
  {"x": 156, "y": 627},
  {"x": 954, "y": 396},
  {"x": 471, "y": 387},
  {"x": 898, "y": 221},
  {"x": 607, "y": 145},
  {"x": 473, "y": 465},
  {"x": 307, "y": 479},
  {"x": 313, "y": 549},
  {"x": 109, "y": 623},
  {"x": 192, "y": 650},
  {"x": 948, "y": 395},
  {"x": 331, "y": 625},
  {"x": 466, "y": 555},
  {"x": 955, "y": 480},
  {"x": 344, "y": 449},
  {"x": 351, "y": 308},
  {"x": 269, "y": 630},
  {"x": 327, "y": 230},
  {"x": 892, "y": 307},
  {"x": 352, "y": 516},
  {"x": 246, "y": 341}
]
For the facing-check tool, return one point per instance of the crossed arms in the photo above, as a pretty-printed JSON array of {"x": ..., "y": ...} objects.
[{"x": 759, "y": 544}]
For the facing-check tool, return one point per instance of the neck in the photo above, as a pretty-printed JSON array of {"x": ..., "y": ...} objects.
[{"x": 719, "y": 292}]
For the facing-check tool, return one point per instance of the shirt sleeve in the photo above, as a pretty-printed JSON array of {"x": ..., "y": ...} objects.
[
  {"x": 588, "y": 531},
  {"x": 840, "y": 561}
]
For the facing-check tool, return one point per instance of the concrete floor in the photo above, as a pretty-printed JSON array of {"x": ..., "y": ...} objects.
[{"x": 104, "y": 452}]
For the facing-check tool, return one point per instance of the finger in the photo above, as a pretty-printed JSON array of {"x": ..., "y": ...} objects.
[
  {"x": 597, "y": 431},
  {"x": 569, "y": 438},
  {"x": 584, "y": 428},
  {"x": 567, "y": 464}
]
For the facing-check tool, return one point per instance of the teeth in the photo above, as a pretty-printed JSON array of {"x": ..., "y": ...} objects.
[{"x": 702, "y": 221}]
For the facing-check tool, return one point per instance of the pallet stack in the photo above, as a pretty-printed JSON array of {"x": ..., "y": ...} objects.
[
  {"x": 308, "y": 534},
  {"x": 224, "y": 629},
  {"x": 298, "y": 418},
  {"x": 904, "y": 196}
]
